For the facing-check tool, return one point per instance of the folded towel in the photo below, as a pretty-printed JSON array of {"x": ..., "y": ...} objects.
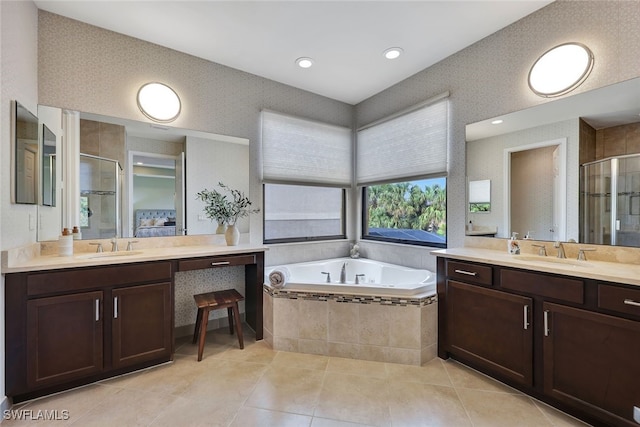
[{"x": 279, "y": 277}]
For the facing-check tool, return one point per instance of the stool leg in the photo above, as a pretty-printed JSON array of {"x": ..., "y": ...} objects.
[
  {"x": 230, "y": 315},
  {"x": 236, "y": 314},
  {"x": 197, "y": 327},
  {"x": 203, "y": 332}
]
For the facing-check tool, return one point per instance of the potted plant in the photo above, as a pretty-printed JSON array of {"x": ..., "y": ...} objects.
[{"x": 226, "y": 208}]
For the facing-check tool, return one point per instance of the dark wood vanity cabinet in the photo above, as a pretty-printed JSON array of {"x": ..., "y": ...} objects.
[
  {"x": 571, "y": 342},
  {"x": 69, "y": 327},
  {"x": 486, "y": 326},
  {"x": 64, "y": 338}
]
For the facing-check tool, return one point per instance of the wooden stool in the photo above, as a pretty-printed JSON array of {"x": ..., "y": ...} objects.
[{"x": 212, "y": 301}]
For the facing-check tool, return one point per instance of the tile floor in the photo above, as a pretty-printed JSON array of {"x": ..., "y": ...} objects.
[{"x": 258, "y": 386}]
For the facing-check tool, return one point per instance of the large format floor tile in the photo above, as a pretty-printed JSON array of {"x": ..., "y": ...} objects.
[{"x": 258, "y": 386}]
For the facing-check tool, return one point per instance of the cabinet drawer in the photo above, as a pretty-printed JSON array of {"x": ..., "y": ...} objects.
[
  {"x": 560, "y": 288},
  {"x": 470, "y": 272},
  {"x": 92, "y": 278},
  {"x": 214, "y": 262},
  {"x": 616, "y": 298}
]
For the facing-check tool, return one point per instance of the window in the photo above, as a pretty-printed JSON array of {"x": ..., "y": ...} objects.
[
  {"x": 402, "y": 167},
  {"x": 306, "y": 167},
  {"x": 302, "y": 213},
  {"x": 413, "y": 212}
]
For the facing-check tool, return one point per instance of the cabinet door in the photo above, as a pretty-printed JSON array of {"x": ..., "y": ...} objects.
[
  {"x": 142, "y": 324},
  {"x": 64, "y": 338},
  {"x": 592, "y": 361},
  {"x": 491, "y": 329}
]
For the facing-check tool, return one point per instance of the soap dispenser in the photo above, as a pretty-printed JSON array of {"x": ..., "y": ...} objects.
[{"x": 513, "y": 247}]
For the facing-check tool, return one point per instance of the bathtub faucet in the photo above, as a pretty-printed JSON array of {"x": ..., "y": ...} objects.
[
  {"x": 343, "y": 273},
  {"x": 328, "y": 276},
  {"x": 359, "y": 277}
]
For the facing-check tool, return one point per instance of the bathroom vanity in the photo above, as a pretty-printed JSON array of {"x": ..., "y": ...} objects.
[
  {"x": 75, "y": 320},
  {"x": 564, "y": 331}
]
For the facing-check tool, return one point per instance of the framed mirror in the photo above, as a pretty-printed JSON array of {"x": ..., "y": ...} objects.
[
  {"x": 26, "y": 156},
  {"x": 49, "y": 167}
]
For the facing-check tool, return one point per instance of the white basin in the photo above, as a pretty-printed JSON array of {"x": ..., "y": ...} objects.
[
  {"x": 109, "y": 254},
  {"x": 553, "y": 260}
]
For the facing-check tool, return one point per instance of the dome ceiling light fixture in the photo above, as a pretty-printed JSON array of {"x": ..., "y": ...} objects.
[
  {"x": 560, "y": 69},
  {"x": 304, "y": 62},
  {"x": 159, "y": 102},
  {"x": 393, "y": 52}
]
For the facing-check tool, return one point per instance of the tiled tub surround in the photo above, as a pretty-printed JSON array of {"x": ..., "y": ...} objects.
[{"x": 384, "y": 329}]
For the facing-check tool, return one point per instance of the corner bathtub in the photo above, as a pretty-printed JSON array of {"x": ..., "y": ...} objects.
[{"x": 379, "y": 278}]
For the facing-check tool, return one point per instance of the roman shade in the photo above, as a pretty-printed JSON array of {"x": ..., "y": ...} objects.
[
  {"x": 410, "y": 144},
  {"x": 296, "y": 150}
]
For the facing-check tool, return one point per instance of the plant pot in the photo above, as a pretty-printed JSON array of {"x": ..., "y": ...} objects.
[
  {"x": 221, "y": 228},
  {"x": 232, "y": 235}
]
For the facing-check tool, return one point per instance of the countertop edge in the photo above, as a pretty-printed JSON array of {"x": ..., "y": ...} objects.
[
  {"x": 628, "y": 274},
  {"x": 80, "y": 260}
]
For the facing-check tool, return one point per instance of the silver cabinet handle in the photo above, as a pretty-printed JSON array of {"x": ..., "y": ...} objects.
[
  {"x": 632, "y": 302},
  {"x": 213, "y": 264},
  {"x": 526, "y": 317},
  {"x": 468, "y": 273},
  {"x": 546, "y": 323},
  {"x": 97, "y": 309},
  {"x": 115, "y": 307}
]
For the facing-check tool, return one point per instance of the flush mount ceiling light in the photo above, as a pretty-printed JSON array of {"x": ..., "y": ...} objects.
[
  {"x": 393, "y": 52},
  {"x": 560, "y": 69},
  {"x": 159, "y": 102},
  {"x": 304, "y": 62}
]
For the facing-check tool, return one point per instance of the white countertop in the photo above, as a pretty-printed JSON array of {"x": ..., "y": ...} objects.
[
  {"x": 17, "y": 264},
  {"x": 599, "y": 270}
]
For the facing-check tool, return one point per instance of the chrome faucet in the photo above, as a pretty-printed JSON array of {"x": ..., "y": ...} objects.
[
  {"x": 343, "y": 273},
  {"x": 542, "y": 250},
  {"x": 558, "y": 244},
  {"x": 114, "y": 244},
  {"x": 581, "y": 253},
  {"x": 328, "y": 276},
  {"x": 358, "y": 278}
]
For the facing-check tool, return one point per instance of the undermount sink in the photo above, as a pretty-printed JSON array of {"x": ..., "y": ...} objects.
[
  {"x": 109, "y": 254},
  {"x": 553, "y": 260}
]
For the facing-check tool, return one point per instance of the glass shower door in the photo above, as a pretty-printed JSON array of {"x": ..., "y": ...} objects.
[
  {"x": 99, "y": 197},
  {"x": 628, "y": 203},
  {"x": 596, "y": 203}
]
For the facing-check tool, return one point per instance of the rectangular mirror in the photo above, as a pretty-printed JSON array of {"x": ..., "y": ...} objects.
[
  {"x": 480, "y": 196},
  {"x": 48, "y": 167},
  {"x": 26, "y": 156},
  {"x": 596, "y": 127}
]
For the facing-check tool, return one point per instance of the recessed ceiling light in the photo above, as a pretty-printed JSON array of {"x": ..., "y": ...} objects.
[
  {"x": 304, "y": 62},
  {"x": 393, "y": 52},
  {"x": 139, "y": 163},
  {"x": 496, "y": 122}
]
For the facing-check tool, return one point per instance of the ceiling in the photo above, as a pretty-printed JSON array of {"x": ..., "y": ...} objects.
[{"x": 346, "y": 39}]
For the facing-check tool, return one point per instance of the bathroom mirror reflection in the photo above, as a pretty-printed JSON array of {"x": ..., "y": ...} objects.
[
  {"x": 596, "y": 125},
  {"x": 480, "y": 196},
  {"x": 26, "y": 157},
  {"x": 139, "y": 180},
  {"x": 48, "y": 167}
]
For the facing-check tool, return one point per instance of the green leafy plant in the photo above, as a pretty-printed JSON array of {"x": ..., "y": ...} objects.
[{"x": 226, "y": 206}]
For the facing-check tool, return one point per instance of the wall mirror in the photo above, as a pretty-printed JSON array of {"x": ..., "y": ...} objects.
[
  {"x": 137, "y": 180},
  {"x": 480, "y": 196},
  {"x": 589, "y": 122},
  {"x": 26, "y": 156},
  {"x": 49, "y": 168}
]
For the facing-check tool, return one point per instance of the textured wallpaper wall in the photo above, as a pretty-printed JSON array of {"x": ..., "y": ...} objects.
[{"x": 489, "y": 78}]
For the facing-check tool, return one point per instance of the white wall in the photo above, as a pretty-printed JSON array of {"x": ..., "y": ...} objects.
[{"x": 18, "y": 81}]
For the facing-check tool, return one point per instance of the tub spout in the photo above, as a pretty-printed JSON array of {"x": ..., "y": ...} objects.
[
  {"x": 328, "y": 276},
  {"x": 343, "y": 273}
]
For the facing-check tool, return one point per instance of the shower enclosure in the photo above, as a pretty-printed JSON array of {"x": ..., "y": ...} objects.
[
  {"x": 100, "y": 203},
  {"x": 610, "y": 201}
]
